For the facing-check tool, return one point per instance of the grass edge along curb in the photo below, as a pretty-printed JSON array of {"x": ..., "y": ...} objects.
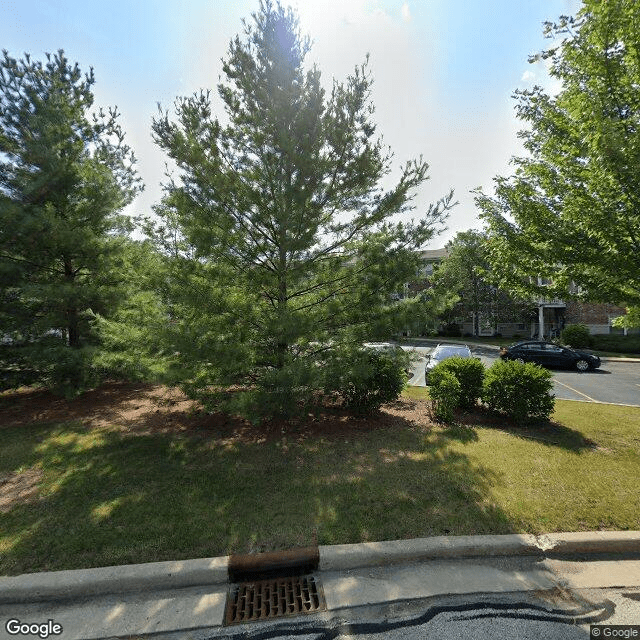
[{"x": 35, "y": 587}]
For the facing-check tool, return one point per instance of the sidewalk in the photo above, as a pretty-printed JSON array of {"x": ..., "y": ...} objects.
[{"x": 174, "y": 596}]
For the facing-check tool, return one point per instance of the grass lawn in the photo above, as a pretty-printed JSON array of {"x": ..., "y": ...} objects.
[{"x": 129, "y": 473}]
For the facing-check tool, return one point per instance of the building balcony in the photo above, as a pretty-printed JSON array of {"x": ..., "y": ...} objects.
[{"x": 551, "y": 302}]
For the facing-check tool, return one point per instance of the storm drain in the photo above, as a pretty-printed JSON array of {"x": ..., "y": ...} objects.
[{"x": 274, "y": 598}]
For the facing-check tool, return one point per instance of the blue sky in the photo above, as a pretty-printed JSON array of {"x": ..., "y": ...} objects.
[{"x": 444, "y": 70}]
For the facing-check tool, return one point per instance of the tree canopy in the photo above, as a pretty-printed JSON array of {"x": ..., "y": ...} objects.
[
  {"x": 65, "y": 175},
  {"x": 285, "y": 246},
  {"x": 571, "y": 212},
  {"x": 466, "y": 272}
]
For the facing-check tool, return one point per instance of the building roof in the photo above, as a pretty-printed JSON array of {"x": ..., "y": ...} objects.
[{"x": 434, "y": 254}]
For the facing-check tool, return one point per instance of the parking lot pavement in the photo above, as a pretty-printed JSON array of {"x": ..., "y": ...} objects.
[{"x": 615, "y": 382}]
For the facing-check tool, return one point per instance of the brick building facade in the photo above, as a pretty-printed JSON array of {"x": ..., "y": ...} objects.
[
  {"x": 596, "y": 316},
  {"x": 552, "y": 315}
]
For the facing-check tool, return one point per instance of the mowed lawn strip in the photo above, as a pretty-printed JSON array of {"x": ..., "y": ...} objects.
[{"x": 73, "y": 496}]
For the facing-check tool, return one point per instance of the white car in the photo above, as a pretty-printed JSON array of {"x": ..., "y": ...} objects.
[{"x": 442, "y": 352}]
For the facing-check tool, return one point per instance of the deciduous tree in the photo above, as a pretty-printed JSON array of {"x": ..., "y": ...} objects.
[
  {"x": 467, "y": 273},
  {"x": 571, "y": 212}
]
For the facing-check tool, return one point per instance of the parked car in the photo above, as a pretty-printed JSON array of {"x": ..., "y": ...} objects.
[
  {"x": 442, "y": 352},
  {"x": 548, "y": 354}
]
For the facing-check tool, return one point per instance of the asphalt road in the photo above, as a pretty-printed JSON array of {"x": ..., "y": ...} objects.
[
  {"x": 511, "y": 616},
  {"x": 614, "y": 382}
]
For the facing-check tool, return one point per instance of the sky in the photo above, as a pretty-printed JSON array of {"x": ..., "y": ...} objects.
[{"x": 444, "y": 72}]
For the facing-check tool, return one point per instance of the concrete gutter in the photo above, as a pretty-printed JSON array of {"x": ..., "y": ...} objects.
[{"x": 58, "y": 585}]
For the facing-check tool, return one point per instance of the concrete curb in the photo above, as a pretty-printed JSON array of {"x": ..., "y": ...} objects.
[
  {"x": 54, "y": 585},
  {"x": 351, "y": 556},
  {"x": 214, "y": 571}
]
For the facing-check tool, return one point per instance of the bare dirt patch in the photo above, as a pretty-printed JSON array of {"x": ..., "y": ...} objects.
[
  {"x": 147, "y": 408},
  {"x": 18, "y": 488}
]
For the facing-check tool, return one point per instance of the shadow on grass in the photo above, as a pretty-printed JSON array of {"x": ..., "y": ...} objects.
[
  {"x": 545, "y": 431},
  {"x": 110, "y": 497}
]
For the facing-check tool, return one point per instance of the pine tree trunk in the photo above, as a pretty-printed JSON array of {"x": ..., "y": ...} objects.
[
  {"x": 282, "y": 346},
  {"x": 73, "y": 331}
]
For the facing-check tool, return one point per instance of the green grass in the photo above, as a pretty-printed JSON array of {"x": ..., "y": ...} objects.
[{"x": 104, "y": 497}]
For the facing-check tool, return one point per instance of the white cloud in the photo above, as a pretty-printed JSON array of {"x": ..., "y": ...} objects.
[
  {"x": 528, "y": 76},
  {"x": 406, "y": 14}
]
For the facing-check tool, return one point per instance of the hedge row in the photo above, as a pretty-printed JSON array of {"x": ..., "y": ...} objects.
[{"x": 578, "y": 337}]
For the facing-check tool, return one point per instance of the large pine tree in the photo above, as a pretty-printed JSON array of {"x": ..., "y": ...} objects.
[
  {"x": 295, "y": 248},
  {"x": 65, "y": 175}
]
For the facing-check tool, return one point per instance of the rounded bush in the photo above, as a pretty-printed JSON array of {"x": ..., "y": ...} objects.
[
  {"x": 519, "y": 390},
  {"x": 444, "y": 391},
  {"x": 371, "y": 379},
  {"x": 576, "y": 335},
  {"x": 469, "y": 372}
]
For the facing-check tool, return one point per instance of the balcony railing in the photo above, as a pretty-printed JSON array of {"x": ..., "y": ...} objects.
[{"x": 551, "y": 302}]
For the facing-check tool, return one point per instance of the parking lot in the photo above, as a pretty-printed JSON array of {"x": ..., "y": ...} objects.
[{"x": 614, "y": 382}]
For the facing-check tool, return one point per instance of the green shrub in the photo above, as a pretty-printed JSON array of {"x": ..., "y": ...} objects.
[
  {"x": 451, "y": 330},
  {"x": 444, "y": 391},
  {"x": 619, "y": 344},
  {"x": 366, "y": 379},
  {"x": 519, "y": 390},
  {"x": 576, "y": 335},
  {"x": 469, "y": 372}
]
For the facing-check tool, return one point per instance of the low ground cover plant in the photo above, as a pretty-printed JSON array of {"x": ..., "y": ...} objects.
[{"x": 519, "y": 390}]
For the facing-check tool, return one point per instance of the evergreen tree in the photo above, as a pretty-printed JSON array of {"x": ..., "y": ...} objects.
[
  {"x": 65, "y": 174},
  {"x": 288, "y": 250}
]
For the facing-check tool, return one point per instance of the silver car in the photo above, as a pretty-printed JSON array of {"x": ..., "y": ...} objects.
[{"x": 442, "y": 352}]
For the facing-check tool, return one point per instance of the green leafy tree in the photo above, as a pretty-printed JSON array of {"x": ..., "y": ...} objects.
[
  {"x": 571, "y": 212},
  {"x": 467, "y": 273},
  {"x": 287, "y": 246},
  {"x": 65, "y": 174},
  {"x": 629, "y": 321}
]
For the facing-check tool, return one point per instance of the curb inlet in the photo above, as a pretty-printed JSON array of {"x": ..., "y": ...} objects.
[{"x": 274, "y": 598}]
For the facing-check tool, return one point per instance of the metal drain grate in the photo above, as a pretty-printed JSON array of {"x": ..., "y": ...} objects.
[{"x": 275, "y": 598}]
